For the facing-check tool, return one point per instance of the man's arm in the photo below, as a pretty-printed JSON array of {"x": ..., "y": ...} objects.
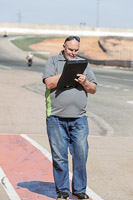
[
  {"x": 89, "y": 87},
  {"x": 51, "y": 82}
]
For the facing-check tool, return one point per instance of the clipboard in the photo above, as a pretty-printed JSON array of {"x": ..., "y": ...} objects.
[{"x": 70, "y": 71}]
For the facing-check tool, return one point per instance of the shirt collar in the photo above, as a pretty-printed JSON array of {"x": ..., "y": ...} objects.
[{"x": 61, "y": 56}]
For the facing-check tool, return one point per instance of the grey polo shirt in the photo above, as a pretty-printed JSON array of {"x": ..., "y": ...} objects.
[{"x": 69, "y": 103}]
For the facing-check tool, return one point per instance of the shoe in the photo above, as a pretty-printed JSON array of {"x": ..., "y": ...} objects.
[
  {"x": 81, "y": 196},
  {"x": 63, "y": 196}
]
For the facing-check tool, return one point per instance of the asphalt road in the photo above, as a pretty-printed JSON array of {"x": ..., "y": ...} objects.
[
  {"x": 112, "y": 105},
  {"x": 111, "y": 108}
]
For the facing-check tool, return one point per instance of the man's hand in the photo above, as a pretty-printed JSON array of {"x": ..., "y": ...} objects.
[
  {"x": 80, "y": 78},
  {"x": 89, "y": 87}
]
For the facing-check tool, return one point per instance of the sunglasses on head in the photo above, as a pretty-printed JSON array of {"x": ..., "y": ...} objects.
[{"x": 72, "y": 38}]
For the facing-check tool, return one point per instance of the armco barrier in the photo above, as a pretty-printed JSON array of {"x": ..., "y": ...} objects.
[{"x": 118, "y": 63}]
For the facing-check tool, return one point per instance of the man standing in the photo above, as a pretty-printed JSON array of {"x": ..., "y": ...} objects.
[{"x": 67, "y": 121}]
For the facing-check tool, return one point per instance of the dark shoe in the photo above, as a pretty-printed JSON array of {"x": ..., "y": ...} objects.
[
  {"x": 63, "y": 196},
  {"x": 81, "y": 196}
]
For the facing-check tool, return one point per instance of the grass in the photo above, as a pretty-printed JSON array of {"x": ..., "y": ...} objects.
[{"x": 24, "y": 43}]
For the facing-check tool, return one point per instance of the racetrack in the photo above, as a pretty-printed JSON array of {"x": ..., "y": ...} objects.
[{"x": 110, "y": 114}]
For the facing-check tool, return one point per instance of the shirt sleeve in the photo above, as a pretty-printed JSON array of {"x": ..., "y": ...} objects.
[
  {"x": 90, "y": 75},
  {"x": 49, "y": 68}
]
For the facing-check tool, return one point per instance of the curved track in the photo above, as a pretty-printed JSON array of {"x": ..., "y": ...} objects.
[{"x": 112, "y": 106}]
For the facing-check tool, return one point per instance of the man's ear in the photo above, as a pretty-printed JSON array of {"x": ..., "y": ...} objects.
[{"x": 63, "y": 45}]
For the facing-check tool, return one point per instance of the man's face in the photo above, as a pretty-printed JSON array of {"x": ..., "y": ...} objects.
[{"x": 71, "y": 49}]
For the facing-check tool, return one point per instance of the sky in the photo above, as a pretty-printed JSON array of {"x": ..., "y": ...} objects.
[{"x": 91, "y": 13}]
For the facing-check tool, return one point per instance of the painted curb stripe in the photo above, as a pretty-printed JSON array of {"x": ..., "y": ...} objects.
[
  {"x": 27, "y": 169},
  {"x": 7, "y": 186}
]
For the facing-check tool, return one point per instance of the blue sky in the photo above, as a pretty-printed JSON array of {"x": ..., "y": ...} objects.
[{"x": 92, "y": 13}]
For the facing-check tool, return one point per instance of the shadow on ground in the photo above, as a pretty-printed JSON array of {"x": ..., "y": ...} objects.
[{"x": 43, "y": 188}]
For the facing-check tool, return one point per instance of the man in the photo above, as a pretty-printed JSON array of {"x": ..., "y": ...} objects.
[{"x": 67, "y": 123}]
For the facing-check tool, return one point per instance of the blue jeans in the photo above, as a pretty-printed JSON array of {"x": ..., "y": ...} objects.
[{"x": 64, "y": 133}]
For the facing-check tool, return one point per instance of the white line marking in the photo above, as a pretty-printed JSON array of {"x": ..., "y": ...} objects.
[
  {"x": 4, "y": 67},
  {"x": 38, "y": 146},
  {"x": 40, "y": 52},
  {"x": 109, "y": 67},
  {"x": 126, "y": 90},
  {"x": 129, "y": 80},
  {"x": 100, "y": 84},
  {"x": 117, "y": 88},
  {"x": 108, "y": 86},
  {"x": 48, "y": 155},
  {"x": 7, "y": 186},
  {"x": 130, "y": 102}
]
